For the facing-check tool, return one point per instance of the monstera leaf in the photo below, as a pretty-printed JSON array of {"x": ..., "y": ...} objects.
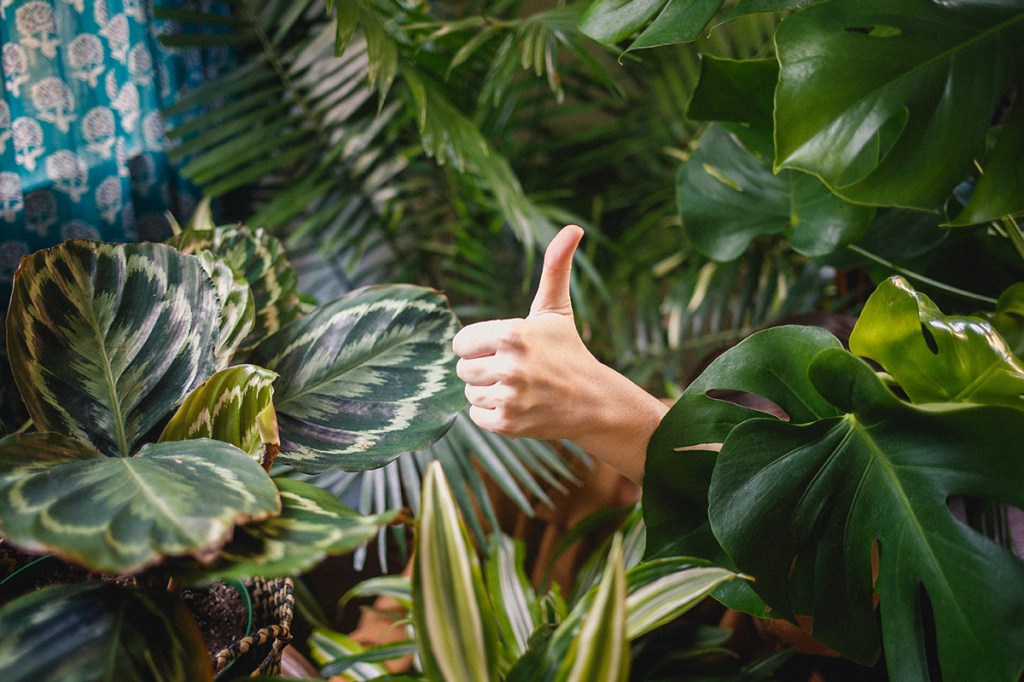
[
  {"x": 312, "y": 524},
  {"x": 99, "y": 632},
  {"x": 802, "y": 506},
  {"x": 364, "y": 378},
  {"x": 122, "y": 514},
  {"x": 260, "y": 259},
  {"x": 872, "y": 89},
  {"x": 235, "y": 406},
  {"x": 106, "y": 339},
  {"x": 936, "y": 357}
]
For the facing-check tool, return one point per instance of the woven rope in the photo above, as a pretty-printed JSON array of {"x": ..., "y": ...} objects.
[{"x": 273, "y": 605}]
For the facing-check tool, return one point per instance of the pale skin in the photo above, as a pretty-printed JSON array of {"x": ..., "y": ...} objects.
[{"x": 534, "y": 377}]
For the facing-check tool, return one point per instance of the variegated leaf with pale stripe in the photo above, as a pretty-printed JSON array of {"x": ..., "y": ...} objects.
[
  {"x": 261, "y": 260},
  {"x": 516, "y": 609},
  {"x": 452, "y": 614},
  {"x": 106, "y": 339},
  {"x": 237, "y": 306},
  {"x": 122, "y": 514},
  {"x": 311, "y": 525},
  {"x": 328, "y": 647},
  {"x": 96, "y": 632},
  {"x": 236, "y": 406},
  {"x": 364, "y": 378}
]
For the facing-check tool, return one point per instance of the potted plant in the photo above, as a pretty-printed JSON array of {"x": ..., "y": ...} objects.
[{"x": 147, "y": 459}]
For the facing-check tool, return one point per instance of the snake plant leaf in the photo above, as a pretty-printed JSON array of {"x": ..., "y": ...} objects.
[
  {"x": 727, "y": 198},
  {"x": 453, "y": 617},
  {"x": 936, "y": 357},
  {"x": 312, "y": 525},
  {"x": 870, "y": 88},
  {"x": 94, "y": 632},
  {"x": 238, "y": 309},
  {"x": 236, "y": 406},
  {"x": 599, "y": 650},
  {"x": 679, "y": 466},
  {"x": 800, "y": 507},
  {"x": 123, "y": 514},
  {"x": 364, "y": 378},
  {"x": 260, "y": 259},
  {"x": 106, "y": 339}
]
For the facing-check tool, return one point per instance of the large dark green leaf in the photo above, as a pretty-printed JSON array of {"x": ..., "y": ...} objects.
[
  {"x": 727, "y": 197},
  {"x": 364, "y": 378},
  {"x": 889, "y": 101},
  {"x": 679, "y": 465},
  {"x": 238, "y": 308},
  {"x": 236, "y": 406},
  {"x": 936, "y": 357},
  {"x": 800, "y": 506},
  {"x": 100, "y": 632},
  {"x": 312, "y": 524},
  {"x": 122, "y": 514},
  {"x": 106, "y": 339},
  {"x": 260, "y": 259}
]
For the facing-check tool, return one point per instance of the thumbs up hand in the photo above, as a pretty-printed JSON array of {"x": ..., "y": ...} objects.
[{"x": 534, "y": 377}]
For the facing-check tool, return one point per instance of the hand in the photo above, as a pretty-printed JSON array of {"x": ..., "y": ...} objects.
[{"x": 534, "y": 377}]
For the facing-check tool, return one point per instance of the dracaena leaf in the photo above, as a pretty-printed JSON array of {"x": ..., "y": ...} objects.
[
  {"x": 312, "y": 525},
  {"x": 105, "y": 632},
  {"x": 799, "y": 506},
  {"x": 236, "y": 406},
  {"x": 364, "y": 378},
  {"x": 451, "y": 611},
  {"x": 261, "y": 260},
  {"x": 122, "y": 514},
  {"x": 106, "y": 339},
  {"x": 936, "y": 357},
  {"x": 516, "y": 610}
]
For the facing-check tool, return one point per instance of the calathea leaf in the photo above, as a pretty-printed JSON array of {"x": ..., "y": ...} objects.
[
  {"x": 106, "y": 339},
  {"x": 312, "y": 524},
  {"x": 364, "y": 378},
  {"x": 122, "y": 514},
  {"x": 236, "y": 406},
  {"x": 681, "y": 455},
  {"x": 936, "y": 357},
  {"x": 97, "y": 632},
  {"x": 454, "y": 626},
  {"x": 260, "y": 259},
  {"x": 800, "y": 507},
  {"x": 872, "y": 88},
  {"x": 237, "y": 309}
]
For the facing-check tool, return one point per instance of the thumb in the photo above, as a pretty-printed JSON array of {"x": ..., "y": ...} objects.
[{"x": 553, "y": 291}]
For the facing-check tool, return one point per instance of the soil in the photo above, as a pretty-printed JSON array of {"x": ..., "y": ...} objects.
[{"x": 220, "y": 613}]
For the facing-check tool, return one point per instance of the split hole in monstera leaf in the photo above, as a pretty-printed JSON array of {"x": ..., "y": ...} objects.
[
  {"x": 1001, "y": 523},
  {"x": 929, "y": 339},
  {"x": 746, "y": 399},
  {"x": 927, "y": 616},
  {"x": 876, "y": 31}
]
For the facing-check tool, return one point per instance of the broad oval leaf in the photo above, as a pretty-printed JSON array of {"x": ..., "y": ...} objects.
[
  {"x": 237, "y": 307},
  {"x": 106, "y": 339},
  {"x": 235, "y": 405},
  {"x": 870, "y": 89},
  {"x": 609, "y": 21},
  {"x": 452, "y": 615},
  {"x": 936, "y": 357},
  {"x": 312, "y": 525},
  {"x": 123, "y": 514},
  {"x": 98, "y": 632},
  {"x": 260, "y": 259},
  {"x": 364, "y": 378},
  {"x": 799, "y": 507}
]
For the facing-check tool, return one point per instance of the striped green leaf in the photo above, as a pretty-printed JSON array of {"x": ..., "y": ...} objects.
[
  {"x": 599, "y": 651},
  {"x": 312, "y": 524},
  {"x": 364, "y": 378},
  {"x": 661, "y": 590},
  {"x": 106, "y": 339},
  {"x": 327, "y": 646},
  {"x": 260, "y": 259},
  {"x": 452, "y": 614},
  {"x": 237, "y": 307},
  {"x": 236, "y": 406},
  {"x": 397, "y": 587},
  {"x": 99, "y": 632},
  {"x": 515, "y": 603},
  {"x": 122, "y": 514}
]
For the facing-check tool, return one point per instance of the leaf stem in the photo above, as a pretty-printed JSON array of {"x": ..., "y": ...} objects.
[
  {"x": 1013, "y": 231},
  {"x": 970, "y": 295}
]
